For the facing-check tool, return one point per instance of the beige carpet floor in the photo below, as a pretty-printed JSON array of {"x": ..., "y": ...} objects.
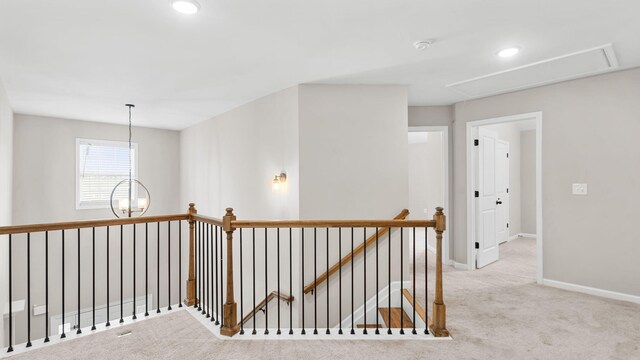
[{"x": 494, "y": 313}]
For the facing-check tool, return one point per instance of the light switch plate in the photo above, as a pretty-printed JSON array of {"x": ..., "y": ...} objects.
[{"x": 579, "y": 189}]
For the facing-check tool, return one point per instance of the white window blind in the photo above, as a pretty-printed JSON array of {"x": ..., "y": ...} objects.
[{"x": 100, "y": 166}]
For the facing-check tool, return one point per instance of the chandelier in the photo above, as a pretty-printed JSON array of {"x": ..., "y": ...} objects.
[{"x": 125, "y": 197}]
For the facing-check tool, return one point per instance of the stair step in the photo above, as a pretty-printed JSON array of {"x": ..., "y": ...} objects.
[
  {"x": 396, "y": 315},
  {"x": 369, "y": 326}
]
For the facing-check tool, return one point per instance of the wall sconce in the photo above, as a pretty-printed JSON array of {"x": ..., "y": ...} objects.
[{"x": 278, "y": 183}]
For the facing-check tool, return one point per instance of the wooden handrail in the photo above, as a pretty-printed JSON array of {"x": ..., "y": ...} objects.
[
  {"x": 207, "y": 219},
  {"x": 22, "y": 229},
  {"x": 360, "y": 248},
  {"x": 264, "y": 302},
  {"x": 259, "y": 224}
]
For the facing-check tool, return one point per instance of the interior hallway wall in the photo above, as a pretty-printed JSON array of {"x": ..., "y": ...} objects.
[
  {"x": 440, "y": 116},
  {"x": 230, "y": 161},
  {"x": 589, "y": 136},
  {"x": 426, "y": 188},
  {"x": 44, "y": 159},
  {"x": 353, "y": 165}
]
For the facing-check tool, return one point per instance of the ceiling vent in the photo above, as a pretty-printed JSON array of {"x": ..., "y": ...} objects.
[{"x": 571, "y": 66}]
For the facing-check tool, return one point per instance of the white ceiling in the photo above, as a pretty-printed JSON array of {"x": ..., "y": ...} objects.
[{"x": 84, "y": 59}]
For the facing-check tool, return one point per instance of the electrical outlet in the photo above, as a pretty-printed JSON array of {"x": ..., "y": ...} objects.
[
  {"x": 579, "y": 189},
  {"x": 426, "y": 211}
]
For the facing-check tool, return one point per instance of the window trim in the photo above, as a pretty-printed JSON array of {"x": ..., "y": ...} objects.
[{"x": 94, "y": 205}]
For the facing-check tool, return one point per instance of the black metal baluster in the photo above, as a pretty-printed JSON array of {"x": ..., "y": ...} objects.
[
  {"x": 221, "y": 237},
  {"x": 303, "y": 332},
  {"x": 168, "y": 265},
  {"x": 254, "y": 282},
  {"x": 29, "y": 289},
  {"x": 315, "y": 282},
  {"x": 46, "y": 286},
  {"x": 10, "y": 349},
  {"x": 63, "y": 335},
  {"x": 340, "y": 280},
  {"x": 158, "y": 270},
  {"x": 353, "y": 330},
  {"x": 401, "y": 277},
  {"x": 414, "y": 332},
  {"x": 216, "y": 262},
  {"x": 328, "y": 297},
  {"x": 108, "y": 299},
  {"x": 79, "y": 322},
  {"x": 266, "y": 291},
  {"x": 364, "y": 282},
  {"x": 203, "y": 264},
  {"x": 290, "y": 281},
  {"x": 278, "y": 275},
  {"x": 134, "y": 274},
  {"x": 241, "y": 289},
  {"x": 212, "y": 274},
  {"x": 377, "y": 288},
  {"x": 196, "y": 226},
  {"x": 179, "y": 263},
  {"x": 426, "y": 277},
  {"x": 93, "y": 282},
  {"x": 389, "y": 285},
  {"x": 121, "y": 274},
  {"x": 207, "y": 297},
  {"x": 146, "y": 269}
]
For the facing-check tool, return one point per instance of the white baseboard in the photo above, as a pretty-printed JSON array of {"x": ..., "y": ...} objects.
[
  {"x": 521, "y": 235},
  {"x": 591, "y": 291},
  {"x": 459, "y": 266}
]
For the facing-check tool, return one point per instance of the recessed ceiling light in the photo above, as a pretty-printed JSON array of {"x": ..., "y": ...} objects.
[
  {"x": 509, "y": 52},
  {"x": 185, "y": 6}
]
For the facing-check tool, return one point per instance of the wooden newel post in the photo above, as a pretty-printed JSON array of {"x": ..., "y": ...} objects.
[
  {"x": 191, "y": 280},
  {"x": 230, "y": 325},
  {"x": 439, "y": 327}
]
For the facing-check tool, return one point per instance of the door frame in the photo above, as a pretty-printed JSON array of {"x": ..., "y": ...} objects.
[
  {"x": 445, "y": 182},
  {"x": 507, "y": 196},
  {"x": 471, "y": 175}
]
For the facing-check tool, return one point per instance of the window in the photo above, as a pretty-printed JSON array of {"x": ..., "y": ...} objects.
[{"x": 100, "y": 166}]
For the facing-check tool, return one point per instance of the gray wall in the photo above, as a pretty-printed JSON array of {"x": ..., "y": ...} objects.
[
  {"x": 426, "y": 188},
  {"x": 528, "y": 181},
  {"x": 230, "y": 161},
  {"x": 589, "y": 135},
  {"x": 44, "y": 178},
  {"x": 440, "y": 116},
  {"x": 6, "y": 194},
  {"x": 353, "y": 165}
]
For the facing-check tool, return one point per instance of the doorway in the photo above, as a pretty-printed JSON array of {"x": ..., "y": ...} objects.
[
  {"x": 504, "y": 180},
  {"x": 429, "y": 180}
]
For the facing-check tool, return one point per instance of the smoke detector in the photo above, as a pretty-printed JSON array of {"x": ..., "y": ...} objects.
[{"x": 423, "y": 44}]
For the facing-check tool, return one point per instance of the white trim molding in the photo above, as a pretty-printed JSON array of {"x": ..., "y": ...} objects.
[
  {"x": 471, "y": 221},
  {"x": 591, "y": 291}
]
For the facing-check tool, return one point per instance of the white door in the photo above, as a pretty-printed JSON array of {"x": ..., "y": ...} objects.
[
  {"x": 502, "y": 192},
  {"x": 487, "y": 219}
]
